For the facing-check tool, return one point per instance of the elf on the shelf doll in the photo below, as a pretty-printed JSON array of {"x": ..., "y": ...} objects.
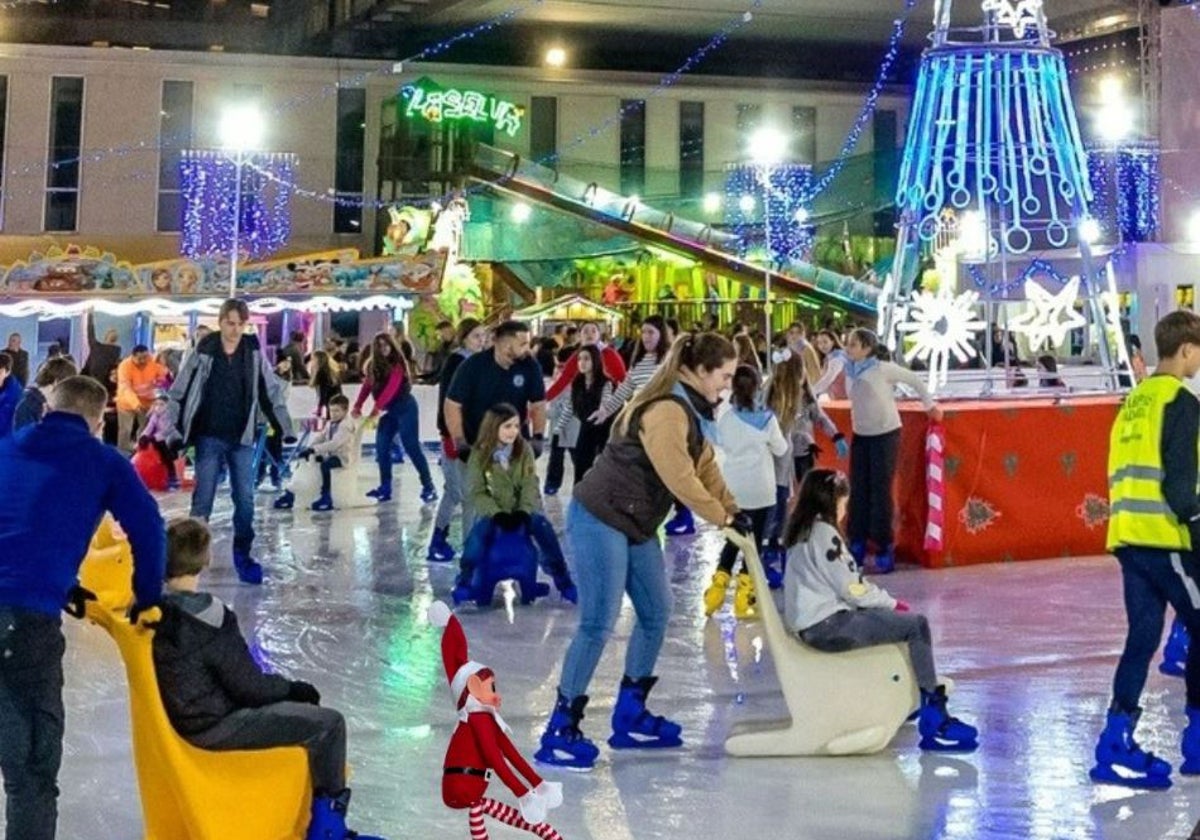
[{"x": 480, "y": 743}]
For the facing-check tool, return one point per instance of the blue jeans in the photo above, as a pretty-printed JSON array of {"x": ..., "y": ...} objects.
[
  {"x": 479, "y": 540},
  {"x": 402, "y": 419},
  {"x": 454, "y": 477},
  {"x": 211, "y": 454},
  {"x": 607, "y": 565},
  {"x": 31, "y": 721},
  {"x": 1154, "y": 578}
]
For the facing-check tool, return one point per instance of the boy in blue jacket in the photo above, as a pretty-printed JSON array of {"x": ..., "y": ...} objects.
[
  {"x": 218, "y": 698},
  {"x": 57, "y": 480}
]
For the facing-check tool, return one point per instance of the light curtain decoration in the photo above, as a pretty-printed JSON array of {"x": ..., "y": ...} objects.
[{"x": 208, "y": 180}]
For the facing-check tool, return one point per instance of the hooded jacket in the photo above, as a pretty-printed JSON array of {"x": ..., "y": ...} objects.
[
  {"x": 266, "y": 390},
  {"x": 204, "y": 668}
]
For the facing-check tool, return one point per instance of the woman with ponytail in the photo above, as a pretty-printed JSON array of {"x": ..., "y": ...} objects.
[{"x": 660, "y": 448}]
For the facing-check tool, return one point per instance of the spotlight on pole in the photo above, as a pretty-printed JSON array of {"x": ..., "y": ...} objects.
[
  {"x": 767, "y": 146},
  {"x": 746, "y": 203},
  {"x": 556, "y": 57},
  {"x": 241, "y": 128},
  {"x": 712, "y": 202},
  {"x": 1115, "y": 120},
  {"x": 1089, "y": 231}
]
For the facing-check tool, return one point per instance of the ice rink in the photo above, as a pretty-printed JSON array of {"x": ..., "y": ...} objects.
[{"x": 1032, "y": 647}]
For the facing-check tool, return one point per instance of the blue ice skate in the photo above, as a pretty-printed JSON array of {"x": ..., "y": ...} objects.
[
  {"x": 329, "y": 819},
  {"x": 634, "y": 727},
  {"x": 563, "y": 744},
  {"x": 1120, "y": 761},
  {"x": 440, "y": 550},
  {"x": 1175, "y": 651},
  {"x": 940, "y": 731}
]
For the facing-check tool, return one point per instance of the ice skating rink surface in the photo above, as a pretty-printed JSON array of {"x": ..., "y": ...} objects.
[{"x": 1032, "y": 647}]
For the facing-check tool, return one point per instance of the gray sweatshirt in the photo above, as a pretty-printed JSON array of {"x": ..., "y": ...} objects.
[
  {"x": 822, "y": 579},
  {"x": 873, "y": 401}
]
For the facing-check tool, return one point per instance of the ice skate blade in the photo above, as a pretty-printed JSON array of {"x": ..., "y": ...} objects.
[
  {"x": 1111, "y": 775},
  {"x": 564, "y": 760},
  {"x": 630, "y": 742},
  {"x": 934, "y": 745}
]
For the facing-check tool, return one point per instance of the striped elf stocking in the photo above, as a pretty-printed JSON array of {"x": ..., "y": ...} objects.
[{"x": 507, "y": 815}]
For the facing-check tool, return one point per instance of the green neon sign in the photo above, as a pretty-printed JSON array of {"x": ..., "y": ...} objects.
[{"x": 424, "y": 100}]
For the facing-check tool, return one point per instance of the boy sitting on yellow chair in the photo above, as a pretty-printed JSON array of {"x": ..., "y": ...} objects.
[{"x": 218, "y": 698}]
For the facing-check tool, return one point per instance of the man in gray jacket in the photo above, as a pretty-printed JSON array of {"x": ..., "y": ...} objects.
[{"x": 214, "y": 405}]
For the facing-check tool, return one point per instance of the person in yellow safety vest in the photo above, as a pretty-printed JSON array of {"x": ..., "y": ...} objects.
[{"x": 1154, "y": 523}]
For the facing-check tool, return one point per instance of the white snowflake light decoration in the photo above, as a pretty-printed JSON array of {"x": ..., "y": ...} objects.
[
  {"x": 1020, "y": 15},
  {"x": 942, "y": 325},
  {"x": 1052, "y": 316}
]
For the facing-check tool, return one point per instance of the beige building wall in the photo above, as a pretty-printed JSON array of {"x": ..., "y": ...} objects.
[{"x": 122, "y": 99}]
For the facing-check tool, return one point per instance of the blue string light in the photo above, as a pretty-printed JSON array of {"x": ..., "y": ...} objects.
[
  {"x": 787, "y": 209},
  {"x": 208, "y": 182}
]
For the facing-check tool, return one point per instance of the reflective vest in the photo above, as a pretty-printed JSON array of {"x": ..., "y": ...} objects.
[{"x": 1138, "y": 511}]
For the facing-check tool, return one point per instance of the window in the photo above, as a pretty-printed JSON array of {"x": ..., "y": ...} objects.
[
  {"x": 543, "y": 130},
  {"x": 804, "y": 130},
  {"x": 348, "y": 170},
  {"x": 748, "y": 118},
  {"x": 174, "y": 135},
  {"x": 691, "y": 148},
  {"x": 62, "y": 170},
  {"x": 633, "y": 146}
]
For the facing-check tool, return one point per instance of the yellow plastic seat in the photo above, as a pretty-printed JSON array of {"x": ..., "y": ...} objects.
[
  {"x": 848, "y": 703},
  {"x": 193, "y": 794},
  {"x": 107, "y": 569}
]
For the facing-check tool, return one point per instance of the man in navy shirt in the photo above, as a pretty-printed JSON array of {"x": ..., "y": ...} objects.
[
  {"x": 508, "y": 374},
  {"x": 57, "y": 480}
]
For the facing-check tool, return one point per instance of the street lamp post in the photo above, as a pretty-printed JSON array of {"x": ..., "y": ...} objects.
[
  {"x": 241, "y": 131},
  {"x": 767, "y": 148}
]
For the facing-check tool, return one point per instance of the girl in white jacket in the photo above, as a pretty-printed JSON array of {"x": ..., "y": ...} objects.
[
  {"x": 749, "y": 439},
  {"x": 833, "y": 608}
]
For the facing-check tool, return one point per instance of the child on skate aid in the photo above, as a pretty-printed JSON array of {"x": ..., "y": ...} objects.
[
  {"x": 217, "y": 697},
  {"x": 833, "y": 608},
  {"x": 1154, "y": 530}
]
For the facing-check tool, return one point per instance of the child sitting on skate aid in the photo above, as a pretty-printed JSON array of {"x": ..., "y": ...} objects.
[
  {"x": 832, "y": 608},
  {"x": 502, "y": 489}
]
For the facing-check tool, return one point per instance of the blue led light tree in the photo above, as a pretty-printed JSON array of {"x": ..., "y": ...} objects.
[{"x": 993, "y": 134}]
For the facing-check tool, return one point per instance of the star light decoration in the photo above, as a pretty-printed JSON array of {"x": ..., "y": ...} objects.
[
  {"x": 1020, "y": 15},
  {"x": 1052, "y": 316},
  {"x": 943, "y": 325}
]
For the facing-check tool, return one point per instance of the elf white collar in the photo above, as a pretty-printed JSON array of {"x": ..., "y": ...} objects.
[{"x": 472, "y": 706}]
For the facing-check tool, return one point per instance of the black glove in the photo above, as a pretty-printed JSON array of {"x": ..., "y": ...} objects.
[
  {"x": 302, "y": 692},
  {"x": 305, "y": 453},
  {"x": 288, "y": 440},
  {"x": 742, "y": 523},
  {"x": 538, "y": 444},
  {"x": 504, "y": 521},
  {"x": 520, "y": 519},
  {"x": 320, "y": 459},
  {"x": 463, "y": 449},
  {"x": 136, "y": 610},
  {"x": 814, "y": 451},
  {"x": 77, "y": 599}
]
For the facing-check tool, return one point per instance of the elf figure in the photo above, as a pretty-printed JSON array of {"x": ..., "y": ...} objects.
[{"x": 480, "y": 743}]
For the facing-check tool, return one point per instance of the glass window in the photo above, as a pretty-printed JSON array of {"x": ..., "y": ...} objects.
[
  {"x": 691, "y": 148},
  {"x": 804, "y": 129},
  {"x": 62, "y": 170},
  {"x": 543, "y": 129},
  {"x": 633, "y": 146},
  {"x": 174, "y": 135},
  {"x": 348, "y": 170}
]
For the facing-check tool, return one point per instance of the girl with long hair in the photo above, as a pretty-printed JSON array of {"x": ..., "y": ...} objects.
[
  {"x": 750, "y": 441},
  {"x": 660, "y": 448},
  {"x": 389, "y": 383},
  {"x": 876, "y": 444},
  {"x": 832, "y": 607},
  {"x": 324, "y": 377},
  {"x": 746, "y": 353},
  {"x": 833, "y": 366},
  {"x": 503, "y": 485},
  {"x": 591, "y": 386},
  {"x": 468, "y": 340}
]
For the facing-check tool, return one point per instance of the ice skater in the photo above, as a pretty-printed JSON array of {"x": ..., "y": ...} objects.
[
  {"x": 659, "y": 449},
  {"x": 876, "y": 445},
  {"x": 832, "y": 608},
  {"x": 1154, "y": 530}
]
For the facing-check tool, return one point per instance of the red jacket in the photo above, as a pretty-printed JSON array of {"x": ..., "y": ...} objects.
[
  {"x": 480, "y": 744},
  {"x": 614, "y": 369}
]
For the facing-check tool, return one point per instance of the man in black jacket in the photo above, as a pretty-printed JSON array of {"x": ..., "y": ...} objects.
[{"x": 216, "y": 696}]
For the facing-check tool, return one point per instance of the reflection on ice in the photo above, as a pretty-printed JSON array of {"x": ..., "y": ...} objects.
[{"x": 1031, "y": 646}]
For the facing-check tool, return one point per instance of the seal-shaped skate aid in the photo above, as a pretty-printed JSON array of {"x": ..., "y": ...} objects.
[
  {"x": 848, "y": 703},
  {"x": 107, "y": 569},
  {"x": 193, "y": 794}
]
